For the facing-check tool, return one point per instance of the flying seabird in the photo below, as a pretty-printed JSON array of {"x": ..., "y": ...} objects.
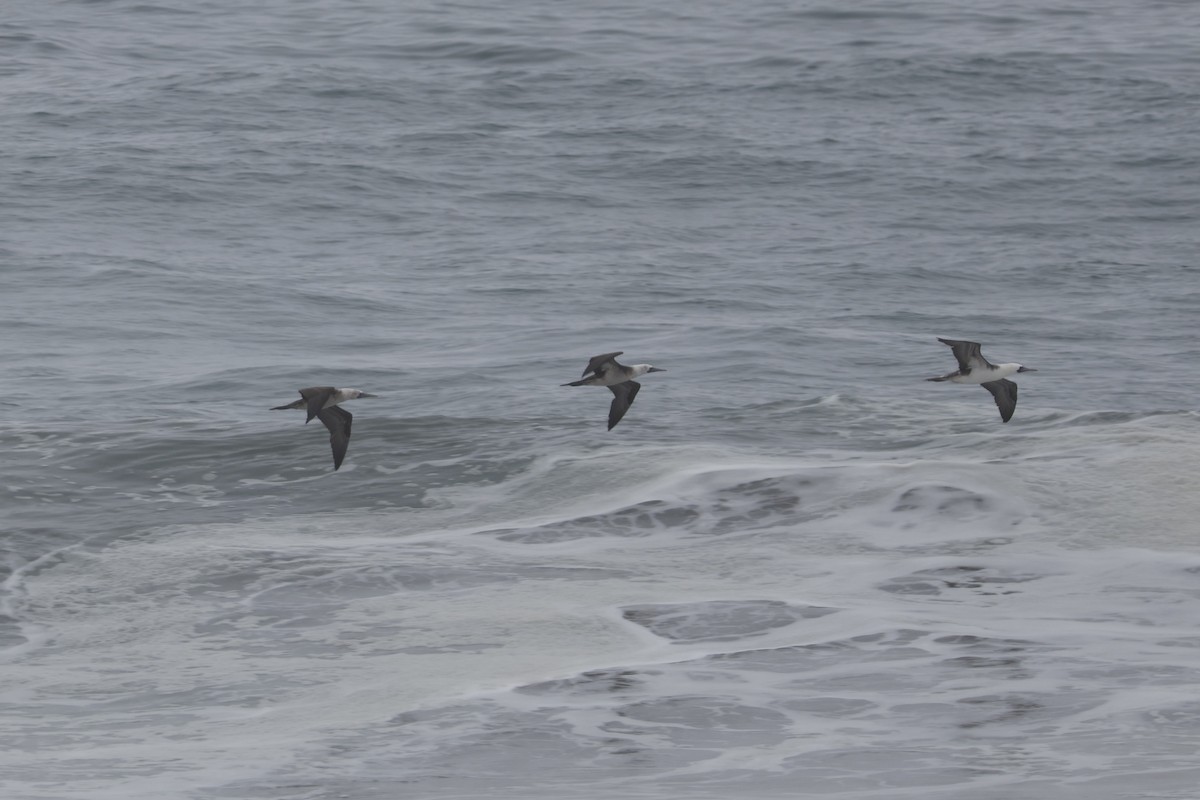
[
  {"x": 618, "y": 378},
  {"x": 974, "y": 368},
  {"x": 322, "y": 401}
]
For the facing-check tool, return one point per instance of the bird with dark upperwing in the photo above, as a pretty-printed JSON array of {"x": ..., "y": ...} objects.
[
  {"x": 322, "y": 402},
  {"x": 974, "y": 368},
  {"x": 605, "y": 371}
]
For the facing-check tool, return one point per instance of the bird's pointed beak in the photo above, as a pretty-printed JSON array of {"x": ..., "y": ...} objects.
[
  {"x": 656, "y": 369},
  {"x": 1026, "y": 369},
  {"x": 364, "y": 394}
]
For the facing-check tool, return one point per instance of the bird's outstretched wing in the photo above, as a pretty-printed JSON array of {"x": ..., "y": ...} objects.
[
  {"x": 968, "y": 355},
  {"x": 1005, "y": 392},
  {"x": 623, "y": 394},
  {"x": 597, "y": 363},
  {"x": 316, "y": 397},
  {"x": 338, "y": 421}
]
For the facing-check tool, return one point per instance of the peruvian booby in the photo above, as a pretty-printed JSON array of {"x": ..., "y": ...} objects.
[
  {"x": 974, "y": 368},
  {"x": 322, "y": 402},
  {"x": 605, "y": 371}
]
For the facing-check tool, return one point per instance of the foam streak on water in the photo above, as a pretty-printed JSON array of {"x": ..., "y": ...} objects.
[{"x": 819, "y": 575}]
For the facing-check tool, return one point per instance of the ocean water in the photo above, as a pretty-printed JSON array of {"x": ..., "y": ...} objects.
[{"x": 795, "y": 569}]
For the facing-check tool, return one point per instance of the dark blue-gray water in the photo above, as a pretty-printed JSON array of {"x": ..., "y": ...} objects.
[{"x": 794, "y": 567}]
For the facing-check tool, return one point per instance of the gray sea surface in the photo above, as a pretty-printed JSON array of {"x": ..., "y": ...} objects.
[{"x": 794, "y": 569}]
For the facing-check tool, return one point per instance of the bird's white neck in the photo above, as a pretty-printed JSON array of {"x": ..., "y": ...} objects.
[{"x": 341, "y": 396}]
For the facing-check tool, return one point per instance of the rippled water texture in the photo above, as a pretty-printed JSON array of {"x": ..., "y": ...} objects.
[{"x": 794, "y": 567}]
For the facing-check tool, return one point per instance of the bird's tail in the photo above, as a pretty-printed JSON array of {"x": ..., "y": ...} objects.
[
  {"x": 297, "y": 404},
  {"x": 576, "y": 383},
  {"x": 944, "y": 377}
]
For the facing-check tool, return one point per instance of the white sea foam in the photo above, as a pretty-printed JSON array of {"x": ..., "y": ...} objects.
[
  {"x": 817, "y": 576},
  {"x": 911, "y": 628}
]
